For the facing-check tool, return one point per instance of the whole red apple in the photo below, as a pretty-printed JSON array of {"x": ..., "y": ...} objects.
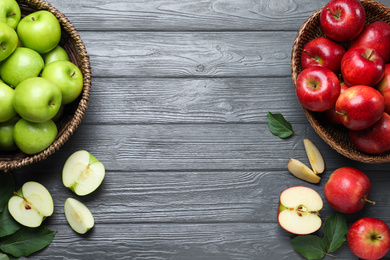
[
  {"x": 317, "y": 88},
  {"x": 376, "y": 36},
  {"x": 384, "y": 87},
  {"x": 347, "y": 190},
  {"x": 374, "y": 139},
  {"x": 360, "y": 107},
  {"x": 369, "y": 238},
  {"x": 342, "y": 20},
  {"x": 331, "y": 114},
  {"x": 322, "y": 52},
  {"x": 362, "y": 66}
]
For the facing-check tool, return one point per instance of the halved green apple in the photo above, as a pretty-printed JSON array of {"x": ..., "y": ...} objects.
[
  {"x": 83, "y": 173},
  {"x": 31, "y": 204},
  {"x": 79, "y": 217}
]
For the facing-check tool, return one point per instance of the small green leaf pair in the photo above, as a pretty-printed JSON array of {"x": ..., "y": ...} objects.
[{"x": 279, "y": 126}]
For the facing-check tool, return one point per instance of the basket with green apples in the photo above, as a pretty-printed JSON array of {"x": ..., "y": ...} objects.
[
  {"x": 45, "y": 81},
  {"x": 341, "y": 74}
]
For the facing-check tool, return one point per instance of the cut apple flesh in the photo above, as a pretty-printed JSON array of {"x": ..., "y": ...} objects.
[
  {"x": 78, "y": 216},
  {"x": 315, "y": 158},
  {"x": 301, "y": 171}
]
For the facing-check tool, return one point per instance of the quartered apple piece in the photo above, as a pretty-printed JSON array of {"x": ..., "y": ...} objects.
[
  {"x": 315, "y": 158},
  {"x": 301, "y": 171},
  {"x": 79, "y": 217}
]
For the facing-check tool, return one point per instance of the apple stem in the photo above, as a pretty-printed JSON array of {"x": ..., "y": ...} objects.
[
  {"x": 372, "y": 202},
  {"x": 8, "y": 15},
  {"x": 32, "y": 18},
  {"x": 316, "y": 58},
  {"x": 51, "y": 104},
  {"x": 337, "y": 14},
  {"x": 71, "y": 75},
  {"x": 3, "y": 47},
  {"x": 372, "y": 53}
]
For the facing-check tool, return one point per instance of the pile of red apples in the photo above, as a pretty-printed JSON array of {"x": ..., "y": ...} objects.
[{"x": 346, "y": 74}]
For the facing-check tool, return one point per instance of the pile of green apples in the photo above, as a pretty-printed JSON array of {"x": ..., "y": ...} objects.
[{"x": 37, "y": 79}]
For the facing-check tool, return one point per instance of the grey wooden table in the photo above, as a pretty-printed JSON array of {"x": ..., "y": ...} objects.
[{"x": 177, "y": 114}]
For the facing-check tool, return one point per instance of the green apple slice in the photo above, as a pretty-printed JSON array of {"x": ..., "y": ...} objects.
[
  {"x": 31, "y": 204},
  {"x": 82, "y": 173},
  {"x": 79, "y": 217}
]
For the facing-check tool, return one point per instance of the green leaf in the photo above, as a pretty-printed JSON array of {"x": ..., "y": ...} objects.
[
  {"x": 27, "y": 241},
  {"x": 7, "y": 187},
  {"x": 3, "y": 257},
  {"x": 279, "y": 126},
  {"x": 310, "y": 246},
  {"x": 335, "y": 229},
  {"x": 8, "y": 225}
]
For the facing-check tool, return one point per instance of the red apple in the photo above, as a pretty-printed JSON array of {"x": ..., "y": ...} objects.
[
  {"x": 347, "y": 190},
  {"x": 369, "y": 238},
  {"x": 384, "y": 87},
  {"x": 362, "y": 66},
  {"x": 322, "y": 52},
  {"x": 374, "y": 139},
  {"x": 375, "y": 36},
  {"x": 331, "y": 114},
  {"x": 317, "y": 88},
  {"x": 360, "y": 107},
  {"x": 342, "y": 20}
]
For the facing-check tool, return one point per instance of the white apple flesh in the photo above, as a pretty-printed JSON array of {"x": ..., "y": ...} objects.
[
  {"x": 82, "y": 173},
  {"x": 31, "y": 204},
  {"x": 301, "y": 171},
  {"x": 299, "y": 209},
  {"x": 79, "y": 217},
  {"x": 315, "y": 158}
]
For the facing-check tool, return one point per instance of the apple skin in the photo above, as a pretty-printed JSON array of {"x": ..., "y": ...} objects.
[
  {"x": 342, "y": 20},
  {"x": 369, "y": 238},
  {"x": 375, "y": 36},
  {"x": 39, "y": 31},
  {"x": 359, "y": 107},
  {"x": 323, "y": 52},
  {"x": 362, "y": 66},
  {"x": 317, "y": 88},
  {"x": 8, "y": 40},
  {"x": 331, "y": 114},
  {"x": 58, "y": 53},
  {"x": 384, "y": 87},
  {"x": 7, "y": 142},
  {"x": 37, "y": 99},
  {"x": 7, "y": 110},
  {"x": 32, "y": 138},
  {"x": 10, "y": 13},
  {"x": 347, "y": 190},
  {"x": 374, "y": 139}
]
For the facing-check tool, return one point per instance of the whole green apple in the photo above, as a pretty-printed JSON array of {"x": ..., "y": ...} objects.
[
  {"x": 23, "y": 63},
  {"x": 58, "y": 53},
  {"x": 7, "y": 111},
  {"x": 32, "y": 137},
  {"x": 37, "y": 99},
  {"x": 40, "y": 31},
  {"x": 7, "y": 142},
  {"x": 10, "y": 13},
  {"x": 67, "y": 76},
  {"x": 8, "y": 40}
]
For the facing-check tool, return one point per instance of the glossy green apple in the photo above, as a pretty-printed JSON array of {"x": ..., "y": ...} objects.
[
  {"x": 7, "y": 110},
  {"x": 8, "y": 40},
  {"x": 37, "y": 99},
  {"x": 23, "y": 63},
  {"x": 7, "y": 142},
  {"x": 32, "y": 137},
  {"x": 39, "y": 31},
  {"x": 67, "y": 76},
  {"x": 10, "y": 13},
  {"x": 59, "y": 114},
  {"x": 58, "y": 53}
]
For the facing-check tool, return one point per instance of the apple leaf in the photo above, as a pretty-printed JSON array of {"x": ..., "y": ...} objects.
[
  {"x": 335, "y": 229},
  {"x": 3, "y": 257},
  {"x": 8, "y": 225},
  {"x": 7, "y": 187},
  {"x": 310, "y": 246},
  {"x": 26, "y": 241},
  {"x": 278, "y": 125}
]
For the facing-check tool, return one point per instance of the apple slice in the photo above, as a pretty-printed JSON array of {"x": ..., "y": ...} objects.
[
  {"x": 82, "y": 173},
  {"x": 79, "y": 217},
  {"x": 31, "y": 204},
  {"x": 299, "y": 210},
  {"x": 315, "y": 158},
  {"x": 301, "y": 171}
]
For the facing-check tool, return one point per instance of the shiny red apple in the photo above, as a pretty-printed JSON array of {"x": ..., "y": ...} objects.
[
  {"x": 384, "y": 87},
  {"x": 331, "y": 114}
]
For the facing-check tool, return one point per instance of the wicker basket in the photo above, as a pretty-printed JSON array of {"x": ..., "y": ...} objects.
[
  {"x": 336, "y": 136},
  {"x": 74, "y": 112}
]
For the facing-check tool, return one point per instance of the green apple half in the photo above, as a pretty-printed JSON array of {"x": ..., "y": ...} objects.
[
  {"x": 31, "y": 204},
  {"x": 10, "y": 13},
  {"x": 82, "y": 173},
  {"x": 79, "y": 217}
]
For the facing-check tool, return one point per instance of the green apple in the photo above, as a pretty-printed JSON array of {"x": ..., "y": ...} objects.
[
  {"x": 67, "y": 76},
  {"x": 8, "y": 40},
  {"x": 10, "y": 13},
  {"x": 37, "y": 99},
  {"x": 32, "y": 137},
  {"x": 22, "y": 64},
  {"x": 82, "y": 173},
  {"x": 7, "y": 110},
  {"x": 79, "y": 217},
  {"x": 31, "y": 204},
  {"x": 59, "y": 114},
  {"x": 7, "y": 143},
  {"x": 39, "y": 31},
  {"x": 58, "y": 53}
]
